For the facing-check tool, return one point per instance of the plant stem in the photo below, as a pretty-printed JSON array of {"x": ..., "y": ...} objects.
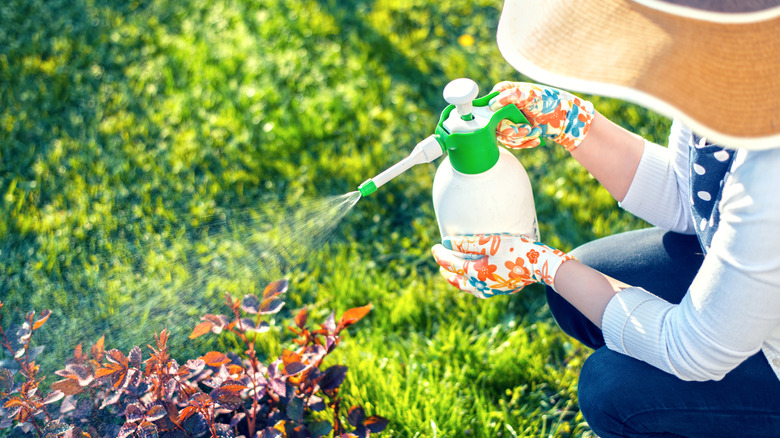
[{"x": 35, "y": 425}]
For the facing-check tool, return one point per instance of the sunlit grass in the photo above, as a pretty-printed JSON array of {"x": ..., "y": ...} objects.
[{"x": 126, "y": 126}]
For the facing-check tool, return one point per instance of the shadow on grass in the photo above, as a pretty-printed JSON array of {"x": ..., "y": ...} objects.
[{"x": 351, "y": 18}]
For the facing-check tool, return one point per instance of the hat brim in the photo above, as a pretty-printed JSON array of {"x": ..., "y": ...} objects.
[{"x": 722, "y": 80}]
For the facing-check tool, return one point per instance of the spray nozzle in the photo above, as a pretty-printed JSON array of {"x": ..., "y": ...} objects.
[
  {"x": 425, "y": 152},
  {"x": 461, "y": 93},
  {"x": 368, "y": 187},
  {"x": 466, "y": 130}
]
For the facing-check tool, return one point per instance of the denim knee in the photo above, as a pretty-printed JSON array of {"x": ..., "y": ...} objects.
[{"x": 600, "y": 390}]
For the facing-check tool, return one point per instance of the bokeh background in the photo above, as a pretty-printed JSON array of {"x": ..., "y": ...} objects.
[{"x": 156, "y": 154}]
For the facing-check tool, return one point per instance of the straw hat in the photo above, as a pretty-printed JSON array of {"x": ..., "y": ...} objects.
[{"x": 713, "y": 64}]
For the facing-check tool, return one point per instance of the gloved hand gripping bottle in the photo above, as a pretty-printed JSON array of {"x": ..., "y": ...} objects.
[{"x": 480, "y": 187}]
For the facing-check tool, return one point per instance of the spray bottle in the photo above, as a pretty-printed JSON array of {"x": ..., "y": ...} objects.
[{"x": 480, "y": 187}]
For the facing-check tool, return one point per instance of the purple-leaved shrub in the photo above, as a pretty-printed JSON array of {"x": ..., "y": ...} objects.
[{"x": 107, "y": 393}]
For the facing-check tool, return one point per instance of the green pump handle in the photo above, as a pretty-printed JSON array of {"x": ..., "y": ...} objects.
[{"x": 477, "y": 151}]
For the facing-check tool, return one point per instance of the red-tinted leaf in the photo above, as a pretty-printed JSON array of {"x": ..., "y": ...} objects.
[
  {"x": 147, "y": 429},
  {"x": 78, "y": 354},
  {"x": 232, "y": 386},
  {"x": 201, "y": 329},
  {"x": 276, "y": 288},
  {"x": 116, "y": 372},
  {"x": 228, "y": 400},
  {"x": 82, "y": 374},
  {"x": 333, "y": 377},
  {"x": 215, "y": 359},
  {"x": 229, "y": 301},
  {"x": 354, "y": 315},
  {"x": 67, "y": 386},
  {"x": 261, "y": 328},
  {"x": 294, "y": 368},
  {"x": 185, "y": 413},
  {"x": 244, "y": 324},
  {"x": 135, "y": 357},
  {"x": 218, "y": 322},
  {"x": 111, "y": 399},
  {"x": 54, "y": 396},
  {"x": 356, "y": 416},
  {"x": 117, "y": 357},
  {"x": 330, "y": 323},
  {"x": 271, "y": 305},
  {"x": 15, "y": 412},
  {"x": 156, "y": 412},
  {"x": 250, "y": 304},
  {"x": 133, "y": 413},
  {"x": 162, "y": 340},
  {"x": 98, "y": 350},
  {"x": 200, "y": 399},
  {"x": 289, "y": 356},
  {"x": 301, "y": 318},
  {"x": 56, "y": 428},
  {"x": 13, "y": 402},
  {"x": 278, "y": 386},
  {"x": 6, "y": 381},
  {"x": 235, "y": 369},
  {"x": 42, "y": 319},
  {"x": 316, "y": 403},
  {"x": 24, "y": 333},
  {"x": 31, "y": 390},
  {"x": 195, "y": 365},
  {"x": 108, "y": 370},
  {"x": 375, "y": 423},
  {"x": 126, "y": 430}
]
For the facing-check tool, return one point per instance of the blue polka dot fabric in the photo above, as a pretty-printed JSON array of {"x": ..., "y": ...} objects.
[{"x": 709, "y": 166}]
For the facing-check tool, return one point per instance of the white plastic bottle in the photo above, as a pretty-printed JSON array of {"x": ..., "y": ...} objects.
[
  {"x": 481, "y": 187},
  {"x": 499, "y": 200}
]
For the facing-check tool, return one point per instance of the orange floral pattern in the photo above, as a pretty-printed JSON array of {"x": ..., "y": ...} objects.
[
  {"x": 552, "y": 114},
  {"x": 497, "y": 264}
]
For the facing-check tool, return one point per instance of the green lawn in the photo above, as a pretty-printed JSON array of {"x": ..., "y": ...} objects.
[{"x": 156, "y": 154}]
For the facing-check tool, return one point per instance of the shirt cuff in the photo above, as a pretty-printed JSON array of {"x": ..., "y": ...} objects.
[
  {"x": 632, "y": 324},
  {"x": 653, "y": 173}
]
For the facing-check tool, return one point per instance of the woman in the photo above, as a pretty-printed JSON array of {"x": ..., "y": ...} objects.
[{"x": 684, "y": 317}]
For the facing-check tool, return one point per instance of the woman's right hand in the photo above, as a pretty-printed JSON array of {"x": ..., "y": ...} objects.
[{"x": 553, "y": 114}]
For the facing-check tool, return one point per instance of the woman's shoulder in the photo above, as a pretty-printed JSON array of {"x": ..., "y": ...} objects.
[
  {"x": 753, "y": 182},
  {"x": 757, "y": 166}
]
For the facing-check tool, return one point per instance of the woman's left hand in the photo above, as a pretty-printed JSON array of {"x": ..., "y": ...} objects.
[{"x": 497, "y": 264}]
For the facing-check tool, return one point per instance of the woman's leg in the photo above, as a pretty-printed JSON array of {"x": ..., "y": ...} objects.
[
  {"x": 662, "y": 262},
  {"x": 623, "y": 397},
  {"x": 620, "y": 396}
]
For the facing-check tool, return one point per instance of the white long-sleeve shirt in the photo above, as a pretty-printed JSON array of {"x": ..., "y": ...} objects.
[{"x": 732, "y": 308}]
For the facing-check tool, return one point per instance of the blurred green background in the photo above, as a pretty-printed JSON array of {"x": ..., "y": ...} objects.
[{"x": 157, "y": 154}]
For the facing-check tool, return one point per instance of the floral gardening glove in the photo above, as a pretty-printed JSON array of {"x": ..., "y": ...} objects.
[
  {"x": 496, "y": 264},
  {"x": 553, "y": 114}
]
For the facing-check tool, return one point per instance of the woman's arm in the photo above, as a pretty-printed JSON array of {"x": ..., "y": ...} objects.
[
  {"x": 611, "y": 154},
  {"x": 586, "y": 289},
  {"x": 731, "y": 309},
  {"x": 648, "y": 180}
]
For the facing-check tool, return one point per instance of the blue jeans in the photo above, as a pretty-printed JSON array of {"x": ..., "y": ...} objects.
[{"x": 623, "y": 397}]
